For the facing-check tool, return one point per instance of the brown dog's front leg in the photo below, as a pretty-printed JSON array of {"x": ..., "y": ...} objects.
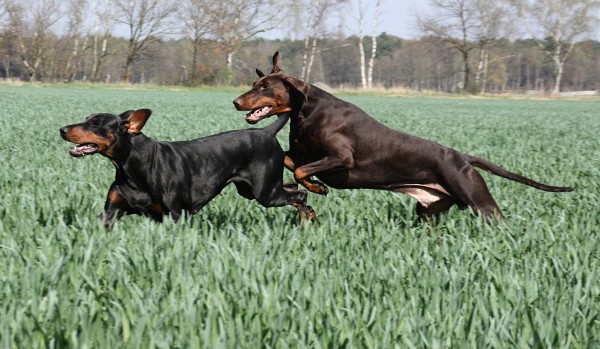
[
  {"x": 326, "y": 164},
  {"x": 311, "y": 185},
  {"x": 289, "y": 163}
]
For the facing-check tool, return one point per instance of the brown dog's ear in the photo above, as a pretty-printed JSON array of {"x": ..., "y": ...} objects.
[
  {"x": 137, "y": 120},
  {"x": 298, "y": 85},
  {"x": 259, "y": 73},
  {"x": 276, "y": 67}
]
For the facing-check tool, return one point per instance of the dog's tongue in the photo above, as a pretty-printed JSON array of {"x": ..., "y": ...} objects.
[
  {"x": 257, "y": 114},
  {"x": 83, "y": 149}
]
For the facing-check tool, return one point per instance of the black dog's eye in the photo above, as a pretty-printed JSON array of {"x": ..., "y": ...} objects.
[{"x": 264, "y": 87}]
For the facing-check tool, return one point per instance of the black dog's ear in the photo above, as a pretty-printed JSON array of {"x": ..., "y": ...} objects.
[
  {"x": 259, "y": 73},
  {"x": 137, "y": 119},
  {"x": 298, "y": 86},
  {"x": 124, "y": 115},
  {"x": 276, "y": 67}
]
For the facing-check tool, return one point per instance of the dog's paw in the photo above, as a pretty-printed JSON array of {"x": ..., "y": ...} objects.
[
  {"x": 311, "y": 214},
  {"x": 320, "y": 188},
  {"x": 290, "y": 185}
]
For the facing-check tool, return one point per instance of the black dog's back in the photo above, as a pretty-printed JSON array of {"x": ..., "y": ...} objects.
[{"x": 250, "y": 158}]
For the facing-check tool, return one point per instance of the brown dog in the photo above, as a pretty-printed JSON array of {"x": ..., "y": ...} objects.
[{"x": 347, "y": 149}]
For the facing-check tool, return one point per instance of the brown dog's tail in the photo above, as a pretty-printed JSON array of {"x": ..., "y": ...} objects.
[
  {"x": 273, "y": 128},
  {"x": 499, "y": 171}
]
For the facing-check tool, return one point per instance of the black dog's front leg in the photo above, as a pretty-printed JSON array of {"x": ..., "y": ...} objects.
[{"x": 115, "y": 207}]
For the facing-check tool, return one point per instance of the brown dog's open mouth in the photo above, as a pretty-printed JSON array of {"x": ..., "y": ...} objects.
[
  {"x": 83, "y": 149},
  {"x": 258, "y": 114}
]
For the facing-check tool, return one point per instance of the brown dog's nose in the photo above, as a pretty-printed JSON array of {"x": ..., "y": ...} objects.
[
  {"x": 236, "y": 103},
  {"x": 63, "y": 131}
]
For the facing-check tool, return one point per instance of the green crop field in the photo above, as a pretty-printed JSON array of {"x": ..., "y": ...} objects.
[{"x": 237, "y": 275}]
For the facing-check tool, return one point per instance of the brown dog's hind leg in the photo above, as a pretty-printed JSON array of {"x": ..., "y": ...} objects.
[
  {"x": 470, "y": 188},
  {"x": 434, "y": 210}
]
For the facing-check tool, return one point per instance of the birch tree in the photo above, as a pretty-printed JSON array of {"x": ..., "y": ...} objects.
[
  {"x": 312, "y": 16},
  {"x": 366, "y": 73},
  {"x": 492, "y": 25},
  {"x": 103, "y": 24},
  {"x": 556, "y": 25},
  {"x": 76, "y": 10},
  {"x": 374, "y": 23}
]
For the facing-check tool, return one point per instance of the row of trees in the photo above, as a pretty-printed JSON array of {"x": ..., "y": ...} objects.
[{"x": 466, "y": 45}]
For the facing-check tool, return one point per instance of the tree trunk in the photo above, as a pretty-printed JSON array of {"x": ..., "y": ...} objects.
[
  {"x": 559, "y": 73},
  {"x": 482, "y": 67},
  {"x": 372, "y": 61},
  {"x": 311, "y": 60},
  {"x": 67, "y": 73},
  {"x": 305, "y": 58},
  {"x": 361, "y": 44},
  {"x": 361, "y": 50},
  {"x": 373, "y": 45},
  {"x": 98, "y": 58},
  {"x": 486, "y": 61},
  {"x": 194, "y": 74},
  {"x": 467, "y": 71},
  {"x": 6, "y": 63},
  {"x": 127, "y": 72}
]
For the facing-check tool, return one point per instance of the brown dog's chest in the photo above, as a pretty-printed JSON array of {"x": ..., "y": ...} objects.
[{"x": 307, "y": 142}]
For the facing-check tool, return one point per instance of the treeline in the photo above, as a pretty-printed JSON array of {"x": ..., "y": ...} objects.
[
  {"x": 425, "y": 64},
  {"x": 217, "y": 42}
]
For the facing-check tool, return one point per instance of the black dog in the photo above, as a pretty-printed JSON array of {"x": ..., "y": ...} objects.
[{"x": 159, "y": 178}]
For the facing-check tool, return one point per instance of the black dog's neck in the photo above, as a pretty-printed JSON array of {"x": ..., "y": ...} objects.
[{"x": 135, "y": 156}]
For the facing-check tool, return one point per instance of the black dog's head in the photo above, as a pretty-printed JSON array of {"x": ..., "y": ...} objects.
[{"x": 99, "y": 133}]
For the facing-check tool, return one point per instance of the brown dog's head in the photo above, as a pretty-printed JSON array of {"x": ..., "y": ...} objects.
[
  {"x": 272, "y": 94},
  {"x": 100, "y": 133}
]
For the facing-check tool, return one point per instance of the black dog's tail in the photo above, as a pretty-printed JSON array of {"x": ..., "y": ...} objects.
[
  {"x": 273, "y": 128},
  {"x": 499, "y": 171}
]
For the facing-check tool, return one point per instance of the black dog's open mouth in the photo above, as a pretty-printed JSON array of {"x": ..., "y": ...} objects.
[
  {"x": 83, "y": 149},
  {"x": 258, "y": 114}
]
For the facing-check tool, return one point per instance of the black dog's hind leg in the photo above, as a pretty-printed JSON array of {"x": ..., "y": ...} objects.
[
  {"x": 288, "y": 196},
  {"x": 276, "y": 196}
]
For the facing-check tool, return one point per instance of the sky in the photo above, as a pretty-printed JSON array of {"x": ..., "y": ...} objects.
[{"x": 398, "y": 17}]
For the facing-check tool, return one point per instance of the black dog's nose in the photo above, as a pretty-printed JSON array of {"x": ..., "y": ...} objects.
[{"x": 63, "y": 131}]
